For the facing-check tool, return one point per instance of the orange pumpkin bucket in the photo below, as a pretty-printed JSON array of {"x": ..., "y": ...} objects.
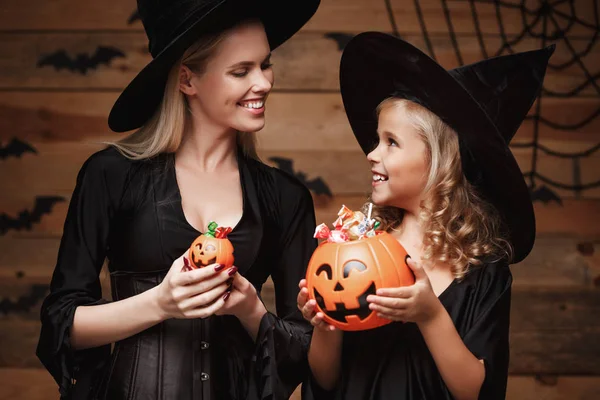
[
  {"x": 352, "y": 264},
  {"x": 212, "y": 247}
]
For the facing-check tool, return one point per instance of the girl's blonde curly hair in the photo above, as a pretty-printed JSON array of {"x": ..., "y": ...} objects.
[{"x": 461, "y": 229}]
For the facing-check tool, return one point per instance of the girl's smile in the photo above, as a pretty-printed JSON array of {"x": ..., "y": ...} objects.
[{"x": 399, "y": 162}]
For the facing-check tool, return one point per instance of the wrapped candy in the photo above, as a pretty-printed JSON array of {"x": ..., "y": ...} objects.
[
  {"x": 338, "y": 236},
  {"x": 343, "y": 215},
  {"x": 345, "y": 212},
  {"x": 350, "y": 225},
  {"x": 322, "y": 232},
  {"x": 222, "y": 232}
]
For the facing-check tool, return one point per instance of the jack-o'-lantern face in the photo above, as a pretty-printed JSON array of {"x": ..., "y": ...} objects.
[
  {"x": 362, "y": 285},
  {"x": 340, "y": 276},
  {"x": 207, "y": 250}
]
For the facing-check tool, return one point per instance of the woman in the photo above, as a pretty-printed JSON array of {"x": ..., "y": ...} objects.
[{"x": 180, "y": 333}]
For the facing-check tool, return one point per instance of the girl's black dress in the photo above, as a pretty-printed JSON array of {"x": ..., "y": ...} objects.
[
  {"x": 129, "y": 212},
  {"x": 393, "y": 361}
]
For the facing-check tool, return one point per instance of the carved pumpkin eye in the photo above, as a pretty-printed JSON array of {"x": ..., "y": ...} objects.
[
  {"x": 210, "y": 247},
  {"x": 352, "y": 265},
  {"x": 327, "y": 269},
  {"x": 199, "y": 246}
]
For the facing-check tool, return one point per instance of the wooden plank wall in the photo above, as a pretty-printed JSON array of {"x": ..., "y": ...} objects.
[{"x": 61, "y": 114}]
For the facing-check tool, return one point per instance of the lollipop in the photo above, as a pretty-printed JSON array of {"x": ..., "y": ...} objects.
[{"x": 212, "y": 247}]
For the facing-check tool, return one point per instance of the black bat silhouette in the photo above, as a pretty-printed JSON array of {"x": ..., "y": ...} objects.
[
  {"x": 317, "y": 185},
  {"x": 341, "y": 39},
  {"x": 134, "y": 17},
  {"x": 16, "y": 148},
  {"x": 82, "y": 62},
  {"x": 544, "y": 195},
  {"x": 26, "y": 219},
  {"x": 24, "y": 303}
]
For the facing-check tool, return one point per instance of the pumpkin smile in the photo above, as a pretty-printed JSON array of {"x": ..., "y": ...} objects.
[
  {"x": 199, "y": 262},
  {"x": 341, "y": 312}
]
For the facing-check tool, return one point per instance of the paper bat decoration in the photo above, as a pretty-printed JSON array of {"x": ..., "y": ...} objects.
[
  {"x": 26, "y": 218},
  {"x": 317, "y": 185},
  {"x": 544, "y": 195},
  {"x": 81, "y": 62},
  {"x": 341, "y": 39},
  {"x": 24, "y": 303},
  {"x": 134, "y": 17},
  {"x": 16, "y": 148}
]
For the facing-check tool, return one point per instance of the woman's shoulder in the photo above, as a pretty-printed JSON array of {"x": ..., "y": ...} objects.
[
  {"x": 117, "y": 174},
  {"x": 108, "y": 160},
  {"x": 113, "y": 164}
]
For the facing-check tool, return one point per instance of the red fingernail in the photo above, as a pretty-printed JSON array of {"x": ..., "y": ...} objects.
[
  {"x": 219, "y": 267},
  {"x": 232, "y": 271},
  {"x": 186, "y": 262},
  {"x": 226, "y": 296}
]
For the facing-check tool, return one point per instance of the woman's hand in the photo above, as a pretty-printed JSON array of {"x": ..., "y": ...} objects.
[
  {"x": 243, "y": 303},
  {"x": 242, "y": 300},
  {"x": 416, "y": 303},
  {"x": 308, "y": 309},
  {"x": 193, "y": 293}
]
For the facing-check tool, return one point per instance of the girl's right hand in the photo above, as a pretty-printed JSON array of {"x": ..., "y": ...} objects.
[
  {"x": 308, "y": 309},
  {"x": 193, "y": 293}
]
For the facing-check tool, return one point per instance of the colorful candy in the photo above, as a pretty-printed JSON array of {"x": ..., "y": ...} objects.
[{"x": 350, "y": 225}]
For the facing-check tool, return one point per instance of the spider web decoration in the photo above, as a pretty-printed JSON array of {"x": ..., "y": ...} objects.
[{"x": 542, "y": 22}]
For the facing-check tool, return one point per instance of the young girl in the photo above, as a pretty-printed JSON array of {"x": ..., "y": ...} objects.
[
  {"x": 140, "y": 203},
  {"x": 446, "y": 185}
]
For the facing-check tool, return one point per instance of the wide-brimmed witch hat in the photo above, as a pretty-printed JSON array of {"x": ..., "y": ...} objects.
[
  {"x": 484, "y": 103},
  {"x": 174, "y": 25}
]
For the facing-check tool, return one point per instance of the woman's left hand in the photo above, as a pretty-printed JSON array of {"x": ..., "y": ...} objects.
[
  {"x": 416, "y": 303},
  {"x": 241, "y": 299}
]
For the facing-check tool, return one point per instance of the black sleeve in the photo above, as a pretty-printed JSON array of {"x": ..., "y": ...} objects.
[
  {"x": 487, "y": 338},
  {"x": 283, "y": 340},
  {"x": 75, "y": 280}
]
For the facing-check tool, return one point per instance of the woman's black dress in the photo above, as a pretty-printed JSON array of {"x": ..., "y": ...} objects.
[{"x": 130, "y": 213}]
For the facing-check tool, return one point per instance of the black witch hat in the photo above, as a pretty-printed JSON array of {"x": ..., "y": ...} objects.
[
  {"x": 174, "y": 25},
  {"x": 484, "y": 102}
]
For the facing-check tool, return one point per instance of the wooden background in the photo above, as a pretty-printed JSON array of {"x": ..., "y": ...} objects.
[{"x": 62, "y": 115}]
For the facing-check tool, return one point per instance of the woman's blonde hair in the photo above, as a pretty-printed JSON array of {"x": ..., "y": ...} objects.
[
  {"x": 460, "y": 228},
  {"x": 164, "y": 131}
]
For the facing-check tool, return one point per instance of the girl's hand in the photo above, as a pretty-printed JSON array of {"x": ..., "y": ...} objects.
[
  {"x": 242, "y": 300},
  {"x": 192, "y": 293},
  {"x": 308, "y": 309},
  {"x": 416, "y": 303}
]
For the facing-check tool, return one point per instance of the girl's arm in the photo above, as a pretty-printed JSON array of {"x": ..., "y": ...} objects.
[
  {"x": 461, "y": 371},
  {"x": 324, "y": 357},
  {"x": 325, "y": 353}
]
